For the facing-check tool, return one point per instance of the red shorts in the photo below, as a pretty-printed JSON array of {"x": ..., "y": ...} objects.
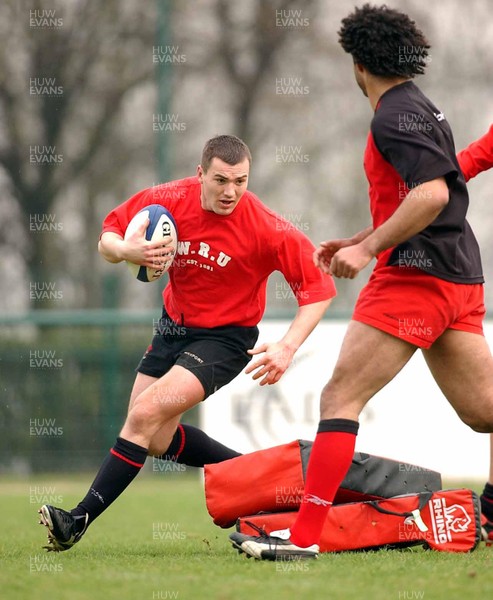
[{"x": 417, "y": 307}]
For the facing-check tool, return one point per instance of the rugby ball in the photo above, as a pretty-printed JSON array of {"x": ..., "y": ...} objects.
[{"x": 161, "y": 225}]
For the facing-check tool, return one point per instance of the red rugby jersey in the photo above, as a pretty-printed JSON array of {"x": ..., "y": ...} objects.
[
  {"x": 478, "y": 156},
  {"x": 220, "y": 271}
]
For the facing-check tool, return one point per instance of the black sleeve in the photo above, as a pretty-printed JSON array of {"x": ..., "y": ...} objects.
[{"x": 409, "y": 142}]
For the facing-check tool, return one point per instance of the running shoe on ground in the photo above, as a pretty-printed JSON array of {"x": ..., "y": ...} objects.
[{"x": 64, "y": 530}]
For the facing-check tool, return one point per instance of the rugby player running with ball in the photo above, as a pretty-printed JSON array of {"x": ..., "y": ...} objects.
[{"x": 230, "y": 243}]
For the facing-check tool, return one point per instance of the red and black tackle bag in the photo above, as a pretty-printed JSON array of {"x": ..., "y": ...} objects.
[
  {"x": 272, "y": 480},
  {"x": 448, "y": 521}
]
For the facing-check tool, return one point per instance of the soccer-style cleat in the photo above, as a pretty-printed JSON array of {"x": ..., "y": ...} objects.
[
  {"x": 486, "y": 531},
  {"x": 486, "y": 521},
  {"x": 273, "y": 546},
  {"x": 64, "y": 530}
]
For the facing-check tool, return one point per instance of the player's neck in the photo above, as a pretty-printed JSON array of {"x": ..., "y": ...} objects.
[{"x": 377, "y": 86}]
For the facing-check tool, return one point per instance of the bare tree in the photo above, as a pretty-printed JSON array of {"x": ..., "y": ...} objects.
[{"x": 65, "y": 74}]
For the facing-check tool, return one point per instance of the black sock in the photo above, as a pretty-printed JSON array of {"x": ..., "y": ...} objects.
[
  {"x": 193, "y": 447},
  {"x": 487, "y": 501},
  {"x": 119, "y": 468}
]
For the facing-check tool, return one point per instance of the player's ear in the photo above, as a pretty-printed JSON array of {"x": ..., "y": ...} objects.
[
  {"x": 200, "y": 172},
  {"x": 359, "y": 68}
]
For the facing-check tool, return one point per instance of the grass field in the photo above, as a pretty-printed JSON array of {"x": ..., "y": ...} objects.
[{"x": 158, "y": 542}]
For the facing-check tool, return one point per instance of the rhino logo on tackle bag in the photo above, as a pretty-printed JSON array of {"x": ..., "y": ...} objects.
[
  {"x": 457, "y": 518},
  {"x": 448, "y": 520}
]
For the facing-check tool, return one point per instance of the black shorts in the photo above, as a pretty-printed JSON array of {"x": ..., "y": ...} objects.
[{"x": 215, "y": 355}]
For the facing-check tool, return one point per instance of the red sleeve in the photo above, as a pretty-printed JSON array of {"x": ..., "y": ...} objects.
[
  {"x": 478, "y": 156},
  {"x": 295, "y": 261}
]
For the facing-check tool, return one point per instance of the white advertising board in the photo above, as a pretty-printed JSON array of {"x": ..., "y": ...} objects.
[{"x": 409, "y": 420}]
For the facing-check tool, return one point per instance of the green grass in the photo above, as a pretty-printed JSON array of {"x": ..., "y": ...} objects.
[{"x": 122, "y": 556}]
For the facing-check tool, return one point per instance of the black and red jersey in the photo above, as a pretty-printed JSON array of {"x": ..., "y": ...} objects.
[{"x": 410, "y": 143}]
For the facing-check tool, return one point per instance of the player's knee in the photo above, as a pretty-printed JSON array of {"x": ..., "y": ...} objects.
[
  {"x": 479, "y": 423},
  {"x": 481, "y": 426},
  {"x": 143, "y": 417}
]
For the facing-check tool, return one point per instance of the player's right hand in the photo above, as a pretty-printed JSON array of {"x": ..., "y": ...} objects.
[
  {"x": 136, "y": 249},
  {"x": 322, "y": 256}
]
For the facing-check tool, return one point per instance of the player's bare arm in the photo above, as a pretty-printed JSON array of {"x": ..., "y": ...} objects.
[
  {"x": 135, "y": 249},
  {"x": 277, "y": 356},
  {"x": 419, "y": 208},
  {"x": 324, "y": 253}
]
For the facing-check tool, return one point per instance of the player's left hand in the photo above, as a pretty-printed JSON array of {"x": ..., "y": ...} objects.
[
  {"x": 324, "y": 253},
  {"x": 348, "y": 262},
  {"x": 272, "y": 365}
]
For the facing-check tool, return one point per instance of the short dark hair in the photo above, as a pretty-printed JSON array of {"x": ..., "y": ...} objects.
[
  {"x": 385, "y": 41},
  {"x": 228, "y": 148}
]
